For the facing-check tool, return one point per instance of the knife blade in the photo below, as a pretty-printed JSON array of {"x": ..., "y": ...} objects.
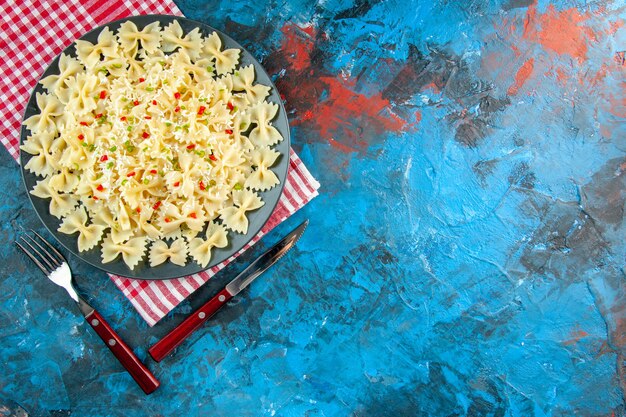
[{"x": 169, "y": 342}]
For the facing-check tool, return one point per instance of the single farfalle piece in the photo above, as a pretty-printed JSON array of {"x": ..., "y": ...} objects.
[
  {"x": 132, "y": 250},
  {"x": 176, "y": 253},
  {"x": 131, "y": 38},
  {"x": 263, "y": 178},
  {"x": 90, "y": 54},
  {"x": 226, "y": 60},
  {"x": 243, "y": 80},
  {"x": 174, "y": 38},
  {"x": 200, "y": 249},
  {"x": 80, "y": 94},
  {"x": 65, "y": 181},
  {"x": 68, "y": 67},
  {"x": 235, "y": 217},
  {"x": 50, "y": 108},
  {"x": 43, "y": 162},
  {"x": 60, "y": 203},
  {"x": 264, "y": 134},
  {"x": 88, "y": 235}
]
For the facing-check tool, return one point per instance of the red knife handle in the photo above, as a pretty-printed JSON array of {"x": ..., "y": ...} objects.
[
  {"x": 163, "y": 347},
  {"x": 146, "y": 380}
]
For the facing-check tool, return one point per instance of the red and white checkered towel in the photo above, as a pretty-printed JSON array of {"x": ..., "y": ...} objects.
[{"x": 33, "y": 33}]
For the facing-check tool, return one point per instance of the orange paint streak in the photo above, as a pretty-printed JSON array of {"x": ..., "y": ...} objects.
[
  {"x": 559, "y": 31},
  {"x": 522, "y": 76},
  {"x": 576, "y": 336},
  {"x": 614, "y": 27},
  {"x": 561, "y": 76}
]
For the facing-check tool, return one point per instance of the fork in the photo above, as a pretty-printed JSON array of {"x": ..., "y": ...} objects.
[{"x": 56, "y": 268}]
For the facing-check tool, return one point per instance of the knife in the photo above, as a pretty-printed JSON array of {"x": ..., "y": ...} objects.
[{"x": 163, "y": 347}]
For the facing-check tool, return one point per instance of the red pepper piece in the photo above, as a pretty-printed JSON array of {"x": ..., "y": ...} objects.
[
  {"x": 123, "y": 118},
  {"x": 104, "y": 158},
  {"x": 176, "y": 109},
  {"x": 148, "y": 117},
  {"x": 131, "y": 174},
  {"x": 177, "y": 183},
  {"x": 230, "y": 106},
  {"x": 138, "y": 209},
  {"x": 154, "y": 102},
  {"x": 177, "y": 95},
  {"x": 145, "y": 135},
  {"x": 202, "y": 187},
  {"x": 84, "y": 124},
  {"x": 136, "y": 102},
  {"x": 193, "y": 145},
  {"x": 156, "y": 205},
  {"x": 142, "y": 80},
  {"x": 103, "y": 95},
  {"x": 94, "y": 197},
  {"x": 229, "y": 131},
  {"x": 212, "y": 157},
  {"x": 193, "y": 215},
  {"x": 100, "y": 187},
  {"x": 201, "y": 110},
  {"x": 81, "y": 137},
  {"x": 167, "y": 220}
]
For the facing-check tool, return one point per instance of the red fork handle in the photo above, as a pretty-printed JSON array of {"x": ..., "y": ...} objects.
[
  {"x": 163, "y": 347},
  {"x": 140, "y": 373}
]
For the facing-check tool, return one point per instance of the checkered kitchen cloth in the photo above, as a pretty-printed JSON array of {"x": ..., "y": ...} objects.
[{"x": 33, "y": 32}]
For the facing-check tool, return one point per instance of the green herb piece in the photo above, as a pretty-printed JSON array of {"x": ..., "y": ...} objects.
[
  {"x": 149, "y": 89},
  {"x": 117, "y": 65},
  {"x": 113, "y": 148},
  {"x": 129, "y": 128},
  {"x": 238, "y": 187},
  {"x": 168, "y": 124},
  {"x": 146, "y": 181},
  {"x": 209, "y": 68},
  {"x": 124, "y": 181},
  {"x": 110, "y": 165},
  {"x": 92, "y": 147}
]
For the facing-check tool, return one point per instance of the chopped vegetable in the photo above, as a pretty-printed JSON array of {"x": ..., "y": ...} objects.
[
  {"x": 238, "y": 187},
  {"x": 131, "y": 174},
  {"x": 84, "y": 124},
  {"x": 104, "y": 158},
  {"x": 229, "y": 131},
  {"x": 153, "y": 171},
  {"x": 177, "y": 183},
  {"x": 201, "y": 185},
  {"x": 201, "y": 110},
  {"x": 193, "y": 215},
  {"x": 113, "y": 148},
  {"x": 103, "y": 95},
  {"x": 100, "y": 187},
  {"x": 230, "y": 106},
  {"x": 142, "y": 79},
  {"x": 212, "y": 157},
  {"x": 192, "y": 146},
  {"x": 156, "y": 205},
  {"x": 177, "y": 95},
  {"x": 81, "y": 137}
]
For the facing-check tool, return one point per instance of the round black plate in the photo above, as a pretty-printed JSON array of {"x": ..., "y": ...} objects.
[{"x": 236, "y": 241}]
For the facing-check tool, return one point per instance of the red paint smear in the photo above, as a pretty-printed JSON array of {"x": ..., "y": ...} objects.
[
  {"x": 299, "y": 42},
  {"x": 340, "y": 146},
  {"x": 350, "y": 121},
  {"x": 559, "y": 31},
  {"x": 522, "y": 76},
  {"x": 344, "y": 108}
]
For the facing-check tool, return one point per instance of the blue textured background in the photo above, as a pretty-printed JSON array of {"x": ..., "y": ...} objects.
[{"x": 465, "y": 256}]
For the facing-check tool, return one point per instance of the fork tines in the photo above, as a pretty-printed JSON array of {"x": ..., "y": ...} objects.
[{"x": 46, "y": 260}]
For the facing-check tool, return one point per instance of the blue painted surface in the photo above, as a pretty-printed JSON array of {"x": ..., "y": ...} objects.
[{"x": 465, "y": 256}]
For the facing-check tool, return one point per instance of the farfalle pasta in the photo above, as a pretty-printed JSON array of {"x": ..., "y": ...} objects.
[{"x": 149, "y": 136}]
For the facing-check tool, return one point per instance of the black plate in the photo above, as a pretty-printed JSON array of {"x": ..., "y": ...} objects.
[{"x": 237, "y": 241}]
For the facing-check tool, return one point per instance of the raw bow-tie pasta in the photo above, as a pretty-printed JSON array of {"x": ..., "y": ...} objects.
[{"x": 153, "y": 134}]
